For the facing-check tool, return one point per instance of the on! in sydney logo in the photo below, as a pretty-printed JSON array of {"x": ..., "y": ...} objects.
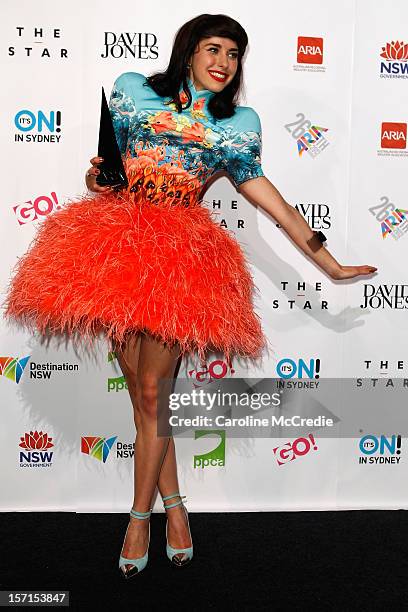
[
  {"x": 380, "y": 450},
  {"x": 394, "y": 64},
  {"x": 36, "y": 453},
  {"x": 309, "y": 137},
  {"x": 37, "y": 126},
  {"x": 309, "y": 54},
  {"x": 393, "y": 221},
  {"x": 97, "y": 447},
  {"x": 393, "y": 139},
  {"x": 13, "y": 368}
]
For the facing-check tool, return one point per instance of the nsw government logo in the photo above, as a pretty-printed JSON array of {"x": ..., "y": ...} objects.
[
  {"x": 393, "y": 139},
  {"x": 36, "y": 453},
  {"x": 37, "y": 126},
  {"x": 214, "y": 458},
  {"x": 97, "y": 447},
  {"x": 395, "y": 60},
  {"x": 309, "y": 54}
]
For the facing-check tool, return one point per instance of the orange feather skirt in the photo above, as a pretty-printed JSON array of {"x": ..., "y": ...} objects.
[{"x": 116, "y": 263}]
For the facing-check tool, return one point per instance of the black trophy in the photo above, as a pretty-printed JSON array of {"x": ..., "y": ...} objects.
[{"x": 112, "y": 171}]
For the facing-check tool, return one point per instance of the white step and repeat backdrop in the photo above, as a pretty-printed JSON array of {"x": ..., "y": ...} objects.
[{"x": 329, "y": 81}]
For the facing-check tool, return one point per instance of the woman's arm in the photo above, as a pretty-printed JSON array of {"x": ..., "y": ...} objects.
[{"x": 261, "y": 192}]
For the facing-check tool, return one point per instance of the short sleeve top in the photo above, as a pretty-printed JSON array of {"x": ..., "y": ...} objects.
[{"x": 192, "y": 143}]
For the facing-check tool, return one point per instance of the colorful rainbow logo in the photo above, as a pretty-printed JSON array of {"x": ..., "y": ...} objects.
[
  {"x": 97, "y": 447},
  {"x": 13, "y": 368}
]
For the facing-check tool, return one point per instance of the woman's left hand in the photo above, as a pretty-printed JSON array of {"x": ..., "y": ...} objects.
[{"x": 351, "y": 271}]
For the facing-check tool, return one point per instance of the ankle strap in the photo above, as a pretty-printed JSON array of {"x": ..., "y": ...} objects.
[
  {"x": 172, "y": 495},
  {"x": 178, "y": 503},
  {"x": 141, "y": 515}
]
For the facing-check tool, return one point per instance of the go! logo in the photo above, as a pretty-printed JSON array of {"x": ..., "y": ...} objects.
[
  {"x": 292, "y": 450},
  {"x": 34, "y": 210}
]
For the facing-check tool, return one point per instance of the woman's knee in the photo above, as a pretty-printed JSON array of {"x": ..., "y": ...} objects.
[{"x": 147, "y": 392}]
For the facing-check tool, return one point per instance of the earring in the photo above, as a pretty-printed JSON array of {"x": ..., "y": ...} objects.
[{"x": 188, "y": 65}]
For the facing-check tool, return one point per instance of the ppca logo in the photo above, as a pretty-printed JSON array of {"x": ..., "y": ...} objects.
[
  {"x": 393, "y": 135},
  {"x": 216, "y": 457},
  {"x": 292, "y": 450},
  {"x": 309, "y": 50},
  {"x": 13, "y": 368},
  {"x": 116, "y": 383}
]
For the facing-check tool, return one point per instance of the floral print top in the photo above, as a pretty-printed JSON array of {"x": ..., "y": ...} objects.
[{"x": 160, "y": 144}]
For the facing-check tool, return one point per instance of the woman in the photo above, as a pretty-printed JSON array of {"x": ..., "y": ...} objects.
[{"x": 147, "y": 266}]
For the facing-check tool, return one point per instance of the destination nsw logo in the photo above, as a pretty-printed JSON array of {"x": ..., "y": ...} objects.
[
  {"x": 97, "y": 447},
  {"x": 36, "y": 453},
  {"x": 12, "y": 367},
  {"x": 395, "y": 65}
]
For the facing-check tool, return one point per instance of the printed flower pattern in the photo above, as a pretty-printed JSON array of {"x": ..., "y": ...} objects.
[{"x": 190, "y": 144}]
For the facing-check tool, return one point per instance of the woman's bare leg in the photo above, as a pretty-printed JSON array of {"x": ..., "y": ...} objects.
[{"x": 144, "y": 361}]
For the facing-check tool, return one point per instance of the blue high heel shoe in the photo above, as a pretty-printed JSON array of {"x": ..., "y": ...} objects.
[
  {"x": 173, "y": 552},
  {"x": 140, "y": 563}
]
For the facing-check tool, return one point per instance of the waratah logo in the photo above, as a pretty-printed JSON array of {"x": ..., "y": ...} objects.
[
  {"x": 395, "y": 65},
  {"x": 13, "y": 368},
  {"x": 36, "y": 440},
  {"x": 395, "y": 51},
  {"x": 97, "y": 447}
]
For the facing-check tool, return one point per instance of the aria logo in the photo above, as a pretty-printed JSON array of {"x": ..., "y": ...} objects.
[
  {"x": 393, "y": 139},
  {"x": 393, "y": 135},
  {"x": 36, "y": 445},
  {"x": 97, "y": 447},
  {"x": 38, "y": 43},
  {"x": 394, "y": 221},
  {"x": 309, "y": 54},
  {"x": 13, "y": 368},
  {"x": 396, "y": 64},
  {"x": 134, "y": 45},
  {"x": 308, "y": 137}
]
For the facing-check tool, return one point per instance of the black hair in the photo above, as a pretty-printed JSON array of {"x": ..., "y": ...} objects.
[{"x": 169, "y": 82}]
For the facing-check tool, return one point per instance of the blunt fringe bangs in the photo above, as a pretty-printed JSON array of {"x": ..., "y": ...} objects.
[{"x": 169, "y": 83}]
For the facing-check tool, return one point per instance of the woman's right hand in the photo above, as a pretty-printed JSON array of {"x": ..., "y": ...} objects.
[{"x": 92, "y": 173}]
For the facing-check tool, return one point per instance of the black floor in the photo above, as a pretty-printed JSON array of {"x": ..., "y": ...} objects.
[{"x": 347, "y": 560}]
